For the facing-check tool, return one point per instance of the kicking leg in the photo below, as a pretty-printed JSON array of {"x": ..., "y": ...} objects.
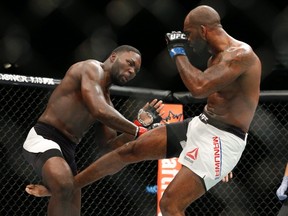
[{"x": 149, "y": 146}]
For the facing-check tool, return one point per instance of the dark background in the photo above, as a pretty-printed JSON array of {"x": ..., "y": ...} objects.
[{"x": 43, "y": 38}]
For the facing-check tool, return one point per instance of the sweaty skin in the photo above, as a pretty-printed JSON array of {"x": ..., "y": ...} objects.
[
  {"x": 85, "y": 90},
  {"x": 81, "y": 99},
  {"x": 106, "y": 139},
  {"x": 231, "y": 84},
  {"x": 231, "y": 81}
]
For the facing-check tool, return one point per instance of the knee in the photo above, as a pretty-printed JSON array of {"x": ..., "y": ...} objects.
[
  {"x": 166, "y": 206},
  {"x": 63, "y": 189},
  {"x": 169, "y": 207},
  {"x": 127, "y": 152}
]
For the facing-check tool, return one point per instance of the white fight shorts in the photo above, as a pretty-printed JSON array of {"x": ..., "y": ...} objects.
[{"x": 210, "y": 152}]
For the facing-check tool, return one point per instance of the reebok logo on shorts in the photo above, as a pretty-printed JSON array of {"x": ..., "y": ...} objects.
[{"x": 192, "y": 155}]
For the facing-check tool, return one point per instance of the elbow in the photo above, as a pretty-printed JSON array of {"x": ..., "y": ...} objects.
[
  {"x": 198, "y": 96},
  {"x": 99, "y": 114},
  {"x": 198, "y": 93},
  {"x": 198, "y": 88}
]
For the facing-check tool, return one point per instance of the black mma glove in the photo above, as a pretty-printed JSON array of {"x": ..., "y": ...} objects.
[
  {"x": 176, "y": 42},
  {"x": 153, "y": 115}
]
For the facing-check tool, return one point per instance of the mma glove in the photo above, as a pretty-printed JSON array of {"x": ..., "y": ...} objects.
[
  {"x": 282, "y": 190},
  {"x": 176, "y": 42},
  {"x": 153, "y": 115}
]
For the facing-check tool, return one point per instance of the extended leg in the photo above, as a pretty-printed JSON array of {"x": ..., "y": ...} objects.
[{"x": 149, "y": 146}]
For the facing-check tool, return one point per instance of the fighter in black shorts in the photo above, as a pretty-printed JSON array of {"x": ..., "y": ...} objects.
[
  {"x": 48, "y": 135},
  {"x": 81, "y": 99}
]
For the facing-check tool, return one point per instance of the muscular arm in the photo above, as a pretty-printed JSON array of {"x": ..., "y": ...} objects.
[
  {"x": 112, "y": 141},
  {"x": 92, "y": 92},
  {"x": 224, "y": 69}
]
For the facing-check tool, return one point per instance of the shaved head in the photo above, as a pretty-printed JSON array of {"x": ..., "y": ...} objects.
[{"x": 203, "y": 15}]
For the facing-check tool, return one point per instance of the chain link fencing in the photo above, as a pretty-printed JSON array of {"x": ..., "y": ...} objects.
[{"x": 130, "y": 192}]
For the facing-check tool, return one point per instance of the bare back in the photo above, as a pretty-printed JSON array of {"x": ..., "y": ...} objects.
[{"x": 66, "y": 109}]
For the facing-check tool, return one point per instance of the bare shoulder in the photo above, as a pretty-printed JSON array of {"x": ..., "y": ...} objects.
[
  {"x": 247, "y": 63},
  {"x": 243, "y": 52},
  {"x": 88, "y": 67},
  {"x": 87, "y": 64},
  {"x": 241, "y": 57}
]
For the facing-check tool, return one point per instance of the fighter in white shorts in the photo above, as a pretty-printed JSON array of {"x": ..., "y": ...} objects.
[{"x": 209, "y": 148}]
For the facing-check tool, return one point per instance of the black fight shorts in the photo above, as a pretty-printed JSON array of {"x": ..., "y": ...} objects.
[
  {"x": 176, "y": 134},
  {"x": 43, "y": 142}
]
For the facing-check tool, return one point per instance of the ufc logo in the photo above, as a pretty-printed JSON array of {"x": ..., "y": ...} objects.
[{"x": 177, "y": 36}]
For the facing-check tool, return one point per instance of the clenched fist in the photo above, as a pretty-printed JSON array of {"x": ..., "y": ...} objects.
[{"x": 176, "y": 42}]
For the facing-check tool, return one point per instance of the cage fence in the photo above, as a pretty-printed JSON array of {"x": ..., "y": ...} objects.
[{"x": 251, "y": 191}]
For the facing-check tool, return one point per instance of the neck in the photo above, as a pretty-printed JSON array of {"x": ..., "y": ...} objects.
[
  {"x": 219, "y": 41},
  {"x": 106, "y": 75}
]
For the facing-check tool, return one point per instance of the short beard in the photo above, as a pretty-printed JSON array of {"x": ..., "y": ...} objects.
[
  {"x": 115, "y": 75},
  {"x": 200, "y": 47},
  {"x": 116, "y": 81}
]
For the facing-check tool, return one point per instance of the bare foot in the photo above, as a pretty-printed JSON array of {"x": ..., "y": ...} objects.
[{"x": 37, "y": 190}]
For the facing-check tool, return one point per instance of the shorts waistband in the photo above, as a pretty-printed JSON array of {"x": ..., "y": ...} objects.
[
  {"x": 56, "y": 133},
  {"x": 222, "y": 126}
]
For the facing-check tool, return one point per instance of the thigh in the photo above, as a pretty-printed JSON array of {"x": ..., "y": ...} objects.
[
  {"x": 184, "y": 189},
  {"x": 210, "y": 153},
  {"x": 37, "y": 160},
  {"x": 55, "y": 172},
  {"x": 176, "y": 137},
  {"x": 149, "y": 146}
]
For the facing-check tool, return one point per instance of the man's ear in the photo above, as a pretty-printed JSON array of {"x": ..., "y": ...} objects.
[
  {"x": 113, "y": 57},
  {"x": 203, "y": 32}
]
